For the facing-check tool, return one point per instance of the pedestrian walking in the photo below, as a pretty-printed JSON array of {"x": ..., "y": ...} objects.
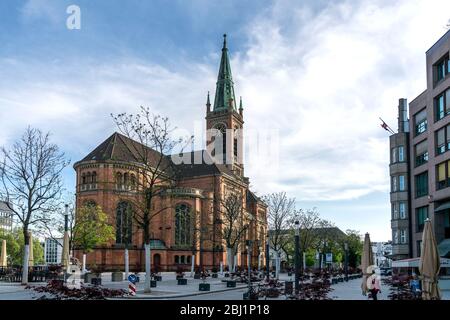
[{"x": 373, "y": 284}]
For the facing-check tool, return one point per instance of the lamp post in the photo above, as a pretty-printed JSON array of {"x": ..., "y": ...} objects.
[
  {"x": 346, "y": 261},
  {"x": 297, "y": 255},
  {"x": 267, "y": 257}
]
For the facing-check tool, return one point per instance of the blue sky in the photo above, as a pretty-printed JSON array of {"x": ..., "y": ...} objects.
[{"x": 318, "y": 72}]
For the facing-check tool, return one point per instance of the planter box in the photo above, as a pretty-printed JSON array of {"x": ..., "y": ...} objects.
[
  {"x": 152, "y": 283},
  {"x": 117, "y": 276},
  {"x": 182, "y": 282},
  {"x": 215, "y": 276},
  {"x": 179, "y": 277},
  {"x": 231, "y": 284},
  {"x": 288, "y": 287},
  {"x": 96, "y": 281},
  {"x": 197, "y": 276},
  {"x": 204, "y": 287}
]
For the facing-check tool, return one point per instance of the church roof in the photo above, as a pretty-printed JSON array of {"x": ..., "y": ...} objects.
[
  {"x": 121, "y": 148},
  {"x": 224, "y": 98},
  {"x": 199, "y": 163}
]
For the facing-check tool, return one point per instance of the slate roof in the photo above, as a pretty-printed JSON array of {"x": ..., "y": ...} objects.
[
  {"x": 4, "y": 207},
  {"x": 121, "y": 148}
]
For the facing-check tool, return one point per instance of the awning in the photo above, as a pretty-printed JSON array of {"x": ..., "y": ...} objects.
[
  {"x": 414, "y": 263},
  {"x": 444, "y": 206}
]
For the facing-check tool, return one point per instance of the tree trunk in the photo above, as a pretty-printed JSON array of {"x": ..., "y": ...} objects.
[
  {"x": 127, "y": 264},
  {"x": 235, "y": 263},
  {"x": 230, "y": 259},
  {"x": 148, "y": 264}
]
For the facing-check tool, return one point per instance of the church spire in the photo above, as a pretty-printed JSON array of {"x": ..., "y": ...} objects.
[
  {"x": 224, "y": 98},
  {"x": 208, "y": 104}
]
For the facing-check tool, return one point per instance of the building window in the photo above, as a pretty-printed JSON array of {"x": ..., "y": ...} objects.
[
  {"x": 421, "y": 184},
  {"x": 442, "y": 104},
  {"x": 394, "y": 155},
  {"x": 402, "y": 210},
  {"x": 124, "y": 223},
  {"x": 441, "y": 145},
  {"x": 421, "y": 152},
  {"x": 422, "y": 215},
  {"x": 443, "y": 175},
  {"x": 395, "y": 236},
  {"x": 441, "y": 69},
  {"x": 394, "y": 184},
  {"x": 182, "y": 225},
  {"x": 394, "y": 211},
  {"x": 177, "y": 259},
  {"x": 402, "y": 236},
  {"x": 420, "y": 120},
  {"x": 401, "y": 183},
  {"x": 401, "y": 154}
]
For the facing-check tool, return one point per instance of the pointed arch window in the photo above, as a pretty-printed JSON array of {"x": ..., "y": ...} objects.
[
  {"x": 182, "y": 225},
  {"x": 124, "y": 222}
]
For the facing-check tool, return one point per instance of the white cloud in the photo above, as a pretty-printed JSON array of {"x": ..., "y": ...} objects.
[{"x": 325, "y": 81}]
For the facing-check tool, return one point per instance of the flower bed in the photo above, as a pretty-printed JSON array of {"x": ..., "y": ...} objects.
[{"x": 58, "y": 291}]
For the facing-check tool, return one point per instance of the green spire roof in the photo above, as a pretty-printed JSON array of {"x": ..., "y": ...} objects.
[{"x": 224, "y": 88}]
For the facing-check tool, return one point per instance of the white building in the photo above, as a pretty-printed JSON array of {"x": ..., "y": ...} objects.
[
  {"x": 6, "y": 217},
  {"x": 53, "y": 250},
  {"x": 381, "y": 252}
]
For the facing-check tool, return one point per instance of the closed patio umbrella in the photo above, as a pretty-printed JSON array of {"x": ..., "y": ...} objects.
[
  {"x": 3, "y": 262},
  {"x": 31, "y": 258},
  {"x": 429, "y": 264},
  {"x": 65, "y": 258},
  {"x": 366, "y": 261}
]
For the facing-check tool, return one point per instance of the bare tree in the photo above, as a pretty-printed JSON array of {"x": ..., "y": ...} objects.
[
  {"x": 31, "y": 178},
  {"x": 233, "y": 224},
  {"x": 155, "y": 170},
  {"x": 280, "y": 217},
  {"x": 53, "y": 226}
]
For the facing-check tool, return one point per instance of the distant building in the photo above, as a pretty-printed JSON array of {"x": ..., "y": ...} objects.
[
  {"x": 420, "y": 161},
  {"x": 382, "y": 252},
  {"x": 53, "y": 250},
  {"x": 6, "y": 217}
]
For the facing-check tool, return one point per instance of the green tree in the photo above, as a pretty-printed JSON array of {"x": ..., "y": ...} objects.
[
  {"x": 355, "y": 247},
  {"x": 91, "y": 229},
  {"x": 15, "y": 246}
]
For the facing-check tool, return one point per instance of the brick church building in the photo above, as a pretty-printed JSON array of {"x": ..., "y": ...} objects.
[{"x": 190, "y": 223}]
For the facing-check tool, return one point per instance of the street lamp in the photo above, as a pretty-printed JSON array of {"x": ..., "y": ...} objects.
[
  {"x": 297, "y": 255},
  {"x": 346, "y": 261}
]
